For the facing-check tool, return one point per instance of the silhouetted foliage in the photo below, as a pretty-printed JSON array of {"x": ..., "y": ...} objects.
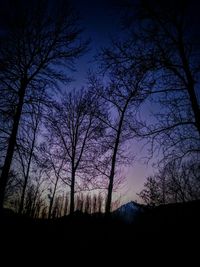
[
  {"x": 75, "y": 128},
  {"x": 64, "y": 151},
  {"x": 41, "y": 37},
  {"x": 124, "y": 92},
  {"x": 173, "y": 183},
  {"x": 26, "y": 145},
  {"x": 161, "y": 37}
]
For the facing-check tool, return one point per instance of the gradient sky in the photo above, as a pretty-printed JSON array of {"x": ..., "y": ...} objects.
[{"x": 101, "y": 21}]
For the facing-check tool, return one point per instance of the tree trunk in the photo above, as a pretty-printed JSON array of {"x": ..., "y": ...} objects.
[
  {"x": 21, "y": 207},
  {"x": 72, "y": 192},
  {"x": 112, "y": 171},
  {"x": 66, "y": 204},
  {"x": 34, "y": 202},
  {"x": 52, "y": 199},
  {"x": 110, "y": 189},
  {"x": 194, "y": 103},
  {"x": 190, "y": 83},
  {"x": 11, "y": 145}
]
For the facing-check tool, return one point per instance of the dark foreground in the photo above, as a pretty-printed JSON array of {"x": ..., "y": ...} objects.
[{"x": 171, "y": 227}]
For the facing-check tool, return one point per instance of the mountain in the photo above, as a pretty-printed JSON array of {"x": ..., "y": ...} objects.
[{"x": 128, "y": 212}]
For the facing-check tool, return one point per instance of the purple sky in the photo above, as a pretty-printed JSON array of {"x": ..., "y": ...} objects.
[{"x": 101, "y": 20}]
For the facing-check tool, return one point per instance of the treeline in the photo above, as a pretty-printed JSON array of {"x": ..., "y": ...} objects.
[
  {"x": 37, "y": 207},
  {"x": 172, "y": 184},
  {"x": 58, "y": 143}
]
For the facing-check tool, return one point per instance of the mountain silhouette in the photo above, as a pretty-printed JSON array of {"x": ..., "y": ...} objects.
[{"x": 129, "y": 211}]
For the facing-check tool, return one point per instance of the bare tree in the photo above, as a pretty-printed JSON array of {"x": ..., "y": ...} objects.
[
  {"x": 66, "y": 204},
  {"x": 151, "y": 193},
  {"x": 80, "y": 202},
  {"x": 123, "y": 94},
  {"x": 88, "y": 204},
  {"x": 13, "y": 190},
  {"x": 52, "y": 165},
  {"x": 94, "y": 204},
  {"x": 163, "y": 39},
  {"x": 75, "y": 128},
  {"x": 34, "y": 200},
  {"x": 99, "y": 202},
  {"x": 39, "y": 37},
  {"x": 26, "y": 144},
  {"x": 57, "y": 210},
  {"x": 174, "y": 182}
]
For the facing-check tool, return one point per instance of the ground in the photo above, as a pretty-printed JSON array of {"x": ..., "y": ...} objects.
[{"x": 164, "y": 228}]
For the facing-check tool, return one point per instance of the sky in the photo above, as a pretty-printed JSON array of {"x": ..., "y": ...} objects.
[{"x": 101, "y": 22}]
